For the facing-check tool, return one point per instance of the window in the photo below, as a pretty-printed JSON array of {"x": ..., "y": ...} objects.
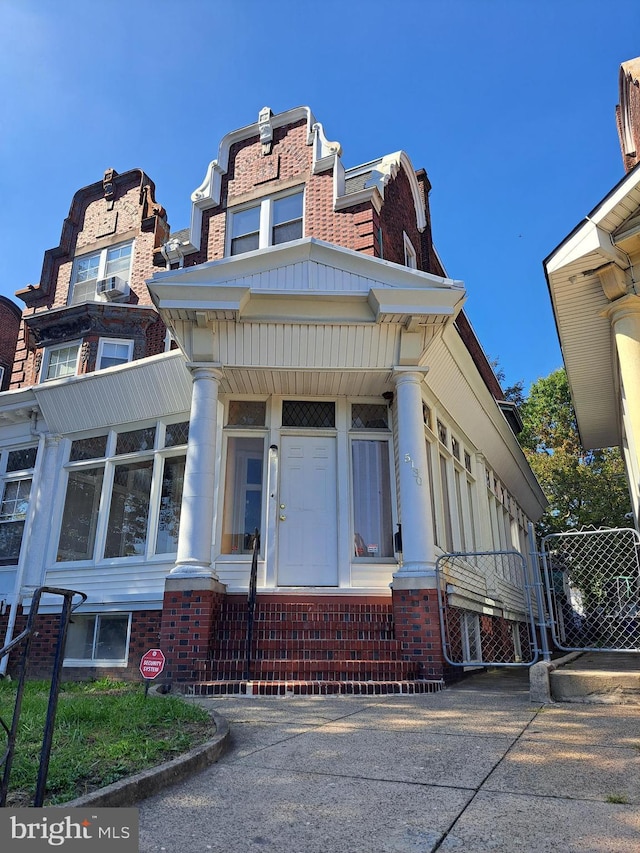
[
  {"x": 94, "y": 640},
  {"x": 313, "y": 414},
  {"x": 369, "y": 416},
  {"x": 269, "y": 222},
  {"x": 242, "y": 494},
  {"x": 89, "y": 269},
  {"x": 410, "y": 257},
  {"x": 247, "y": 413},
  {"x": 113, "y": 352},
  {"x": 124, "y": 493},
  {"x": 372, "y": 521},
  {"x": 60, "y": 361},
  {"x": 16, "y": 490}
]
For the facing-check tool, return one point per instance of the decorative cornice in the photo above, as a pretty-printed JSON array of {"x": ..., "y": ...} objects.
[{"x": 76, "y": 321}]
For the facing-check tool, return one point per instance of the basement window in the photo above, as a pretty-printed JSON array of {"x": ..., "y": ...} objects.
[{"x": 98, "y": 640}]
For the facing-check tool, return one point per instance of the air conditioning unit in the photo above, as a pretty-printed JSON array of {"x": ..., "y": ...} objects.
[{"x": 113, "y": 287}]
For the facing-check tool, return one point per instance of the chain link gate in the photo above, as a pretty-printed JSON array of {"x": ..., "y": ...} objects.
[
  {"x": 486, "y": 609},
  {"x": 593, "y": 589}
]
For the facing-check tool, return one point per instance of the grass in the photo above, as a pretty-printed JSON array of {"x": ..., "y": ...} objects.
[
  {"x": 105, "y": 730},
  {"x": 619, "y": 799}
]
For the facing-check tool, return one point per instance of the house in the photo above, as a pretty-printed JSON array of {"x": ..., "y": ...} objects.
[
  {"x": 295, "y": 362},
  {"x": 594, "y": 283}
]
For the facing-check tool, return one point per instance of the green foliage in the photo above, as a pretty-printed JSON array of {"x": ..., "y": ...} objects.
[
  {"x": 104, "y": 730},
  {"x": 582, "y": 487}
]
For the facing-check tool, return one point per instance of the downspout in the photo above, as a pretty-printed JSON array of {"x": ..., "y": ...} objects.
[{"x": 17, "y": 589}]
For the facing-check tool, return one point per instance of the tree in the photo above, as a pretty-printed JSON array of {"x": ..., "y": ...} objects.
[{"x": 582, "y": 487}]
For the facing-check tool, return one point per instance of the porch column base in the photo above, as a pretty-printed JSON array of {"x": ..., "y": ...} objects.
[
  {"x": 417, "y": 625},
  {"x": 193, "y": 570},
  {"x": 190, "y": 615}
]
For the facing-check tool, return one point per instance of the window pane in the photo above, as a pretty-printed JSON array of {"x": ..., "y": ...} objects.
[
  {"x": 129, "y": 510},
  {"x": 176, "y": 434},
  {"x": 170, "y": 502},
  {"x": 111, "y": 638},
  {"x": 245, "y": 222},
  {"x": 20, "y": 460},
  {"x": 286, "y": 209},
  {"x": 80, "y": 516},
  {"x": 243, "y": 494},
  {"x": 15, "y": 500},
  {"x": 10, "y": 541},
  {"x": 308, "y": 413},
  {"x": 137, "y": 439},
  {"x": 446, "y": 507},
  {"x": 372, "y": 523},
  {"x": 80, "y": 637},
  {"x": 285, "y": 233},
  {"x": 88, "y": 448},
  {"x": 113, "y": 353},
  {"x": 245, "y": 244},
  {"x": 62, "y": 362},
  {"x": 366, "y": 416},
  {"x": 118, "y": 261},
  {"x": 247, "y": 413}
]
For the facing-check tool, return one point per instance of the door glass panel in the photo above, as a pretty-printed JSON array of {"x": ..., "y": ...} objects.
[
  {"x": 372, "y": 524},
  {"x": 243, "y": 494}
]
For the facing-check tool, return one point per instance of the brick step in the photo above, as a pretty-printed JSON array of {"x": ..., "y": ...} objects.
[
  {"x": 307, "y": 625},
  {"x": 354, "y": 634},
  {"x": 311, "y": 654},
  {"x": 297, "y": 670},
  {"x": 222, "y": 647},
  {"x": 313, "y": 688}
]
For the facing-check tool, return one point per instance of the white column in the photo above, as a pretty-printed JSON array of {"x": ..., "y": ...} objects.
[
  {"x": 418, "y": 548},
  {"x": 196, "y": 514}
]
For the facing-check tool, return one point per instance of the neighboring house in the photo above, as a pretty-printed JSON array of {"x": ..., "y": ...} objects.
[
  {"x": 327, "y": 389},
  {"x": 594, "y": 282}
]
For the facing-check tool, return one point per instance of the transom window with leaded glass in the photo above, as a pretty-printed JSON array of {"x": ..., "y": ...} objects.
[{"x": 314, "y": 414}]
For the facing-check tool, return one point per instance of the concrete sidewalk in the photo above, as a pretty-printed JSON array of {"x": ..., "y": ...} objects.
[{"x": 474, "y": 768}]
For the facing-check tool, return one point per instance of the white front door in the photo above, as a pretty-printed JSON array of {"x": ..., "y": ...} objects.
[{"x": 307, "y": 512}]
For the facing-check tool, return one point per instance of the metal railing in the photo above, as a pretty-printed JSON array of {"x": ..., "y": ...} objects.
[
  {"x": 593, "y": 589},
  {"x": 251, "y": 601},
  {"x": 12, "y": 732}
]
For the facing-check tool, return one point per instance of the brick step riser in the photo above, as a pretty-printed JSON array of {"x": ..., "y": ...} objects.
[
  {"x": 297, "y": 655},
  {"x": 307, "y": 670},
  {"x": 307, "y": 625},
  {"x": 296, "y": 644},
  {"x": 313, "y": 688},
  {"x": 312, "y": 634}
]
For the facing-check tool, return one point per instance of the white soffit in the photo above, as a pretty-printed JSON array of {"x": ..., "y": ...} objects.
[
  {"x": 142, "y": 390},
  {"x": 578, "y": 304}
]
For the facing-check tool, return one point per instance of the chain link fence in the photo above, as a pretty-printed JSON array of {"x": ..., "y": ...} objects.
[
  {"x": 486, "y": 612},
  {"x": 593, "y": 584}
]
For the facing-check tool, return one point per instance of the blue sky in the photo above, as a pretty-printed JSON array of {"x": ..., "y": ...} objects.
[{"x": 508, "y": 105}]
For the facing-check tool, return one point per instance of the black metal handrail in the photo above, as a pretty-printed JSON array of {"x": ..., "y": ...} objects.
[
  {"x": 26, "y": 636},
  {"x": 251, "y": 600}
]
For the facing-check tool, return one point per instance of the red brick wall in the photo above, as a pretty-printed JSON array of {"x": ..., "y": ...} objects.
[
  {"x": 9, "y": 330},
  {"x": 145, "y": 634}
]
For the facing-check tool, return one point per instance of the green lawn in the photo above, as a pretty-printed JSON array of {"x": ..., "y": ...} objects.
[{"x": 104, "y": 730}]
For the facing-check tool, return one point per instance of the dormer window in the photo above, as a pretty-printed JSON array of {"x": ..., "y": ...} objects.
[
  {"x": 101, "y": 275},
  {"x": 269, "y": 222}
]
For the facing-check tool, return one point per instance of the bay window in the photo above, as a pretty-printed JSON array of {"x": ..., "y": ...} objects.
[{"x": 123, "y": 495}]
